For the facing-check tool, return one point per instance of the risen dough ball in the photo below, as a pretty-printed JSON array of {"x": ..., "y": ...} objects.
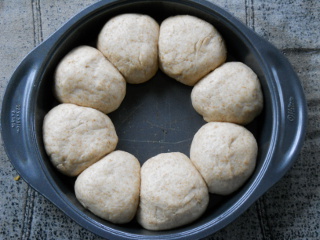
[
  {"x": 225, "y": 155},
  {"x": 86, "y": 78},
  {"x": 189, "y": 48},
  {"x": 76, "y": 137},
  {"x": 110, "y": 187},
  {"x": 173, "y": 192},
  {"x": 130, "y": 42},
  {"x": 231, "y": 93}
]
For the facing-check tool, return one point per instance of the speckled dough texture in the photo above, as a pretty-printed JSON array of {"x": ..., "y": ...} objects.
[
  {"x": 231, "y": 93},
  {"x": 130, "y": 42},
  {"x": 110, "y": 188},
  {"x": 173, "y": 192},
  {"x": 225, "y": 155},
  {"x": 189, "y": 48},
  {"x": 86, "y": 78},
  {"x": 76, "y": 137}
]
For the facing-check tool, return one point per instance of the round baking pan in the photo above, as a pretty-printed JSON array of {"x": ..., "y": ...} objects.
[{"x": 154, "y": 117}]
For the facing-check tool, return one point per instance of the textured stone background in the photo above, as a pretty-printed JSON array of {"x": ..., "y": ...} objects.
[{"x": 290, "y": 210}]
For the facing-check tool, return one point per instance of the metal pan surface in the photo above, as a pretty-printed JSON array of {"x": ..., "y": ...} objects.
[{"x": 156, "y": 116}]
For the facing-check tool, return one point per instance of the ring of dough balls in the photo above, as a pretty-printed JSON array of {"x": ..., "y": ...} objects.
[
  {"x": 86, "y": 78},
  {"x": 110, "y": 187},
  {"x": 189, "y": 48},
  {"x": 225, "y": 155},
  {"x": 172, "y": 193},
  {"x": 76, "y": 137},
  {"x": 231, "y": 93},
  {"x": 173, "y": 189},
  {"x": 130, "y": 42}
]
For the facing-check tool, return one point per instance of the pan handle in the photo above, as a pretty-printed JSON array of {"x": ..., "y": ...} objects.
[
  {"x": 15, "y": 121},
  {"x": 289, "y": 110}
]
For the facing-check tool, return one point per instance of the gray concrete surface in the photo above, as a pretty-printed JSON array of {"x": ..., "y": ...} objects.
[{"x": 290, "y": 210}]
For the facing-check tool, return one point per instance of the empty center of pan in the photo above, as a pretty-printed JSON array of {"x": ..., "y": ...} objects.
[{"x": 156, "y": 117}]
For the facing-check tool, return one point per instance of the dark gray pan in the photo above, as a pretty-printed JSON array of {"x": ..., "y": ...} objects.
[{"x": 155, "y": 117}]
